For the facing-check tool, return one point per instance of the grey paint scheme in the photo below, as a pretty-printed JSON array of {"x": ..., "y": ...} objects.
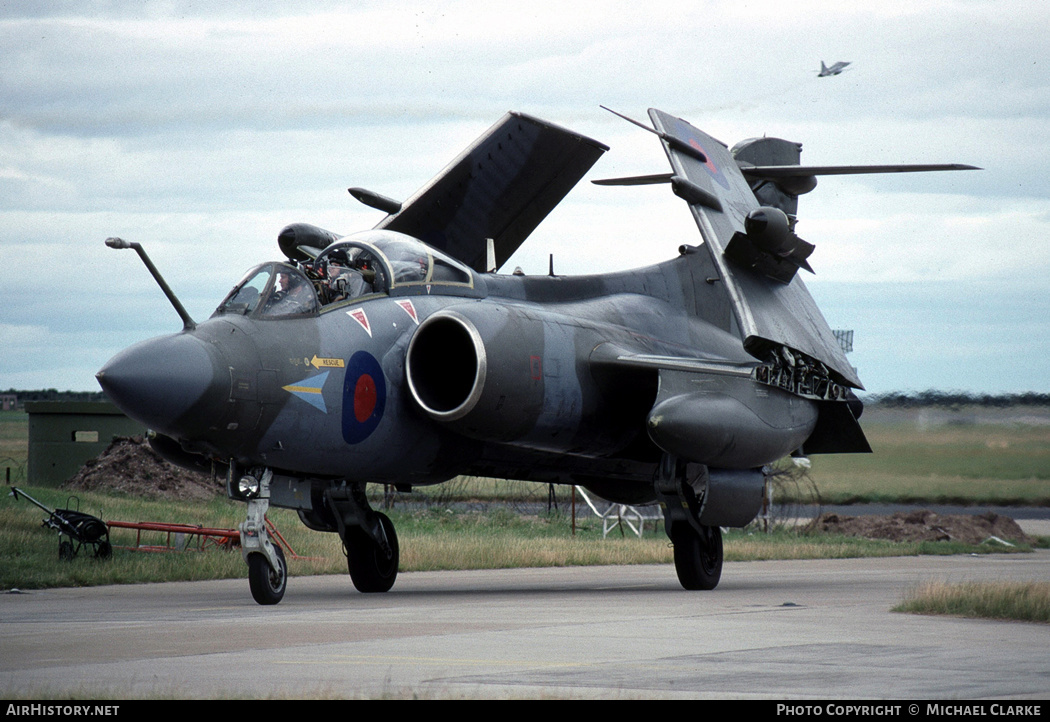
[{"x": 591, "y": 380}]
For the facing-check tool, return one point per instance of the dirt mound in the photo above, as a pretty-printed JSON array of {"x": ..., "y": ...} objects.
[
  {"x": 130, "y": 466},
  {"x": 924, "y": 525}
]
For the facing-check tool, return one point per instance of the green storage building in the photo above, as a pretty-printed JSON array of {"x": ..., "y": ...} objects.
[{"x": 65, "y": 434}]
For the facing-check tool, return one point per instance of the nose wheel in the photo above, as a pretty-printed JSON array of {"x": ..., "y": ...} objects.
[
  {"x": 267, "y": 582},
  {"x": 267, "y": 567}
]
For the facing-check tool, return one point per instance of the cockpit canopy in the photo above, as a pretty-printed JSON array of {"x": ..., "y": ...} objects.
[
  {"x": 384, "y": 260},
  {"x": 364, "y": 264},
  {"x": 271, "y": 290}
]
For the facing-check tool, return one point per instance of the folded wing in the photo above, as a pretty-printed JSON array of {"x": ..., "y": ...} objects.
[
  {"x": 501, "y": 187},
  {"x": 771, "y": 313}
]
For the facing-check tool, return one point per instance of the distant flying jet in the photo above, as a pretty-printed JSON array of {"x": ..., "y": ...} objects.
[{"x": 835, "y": 69}]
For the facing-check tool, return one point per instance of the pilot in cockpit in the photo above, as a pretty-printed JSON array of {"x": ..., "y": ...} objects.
[
  {"x": 290, "y": 295},
  {"x": 363, "y": 265},
  {"x": 337, "y": 277}
]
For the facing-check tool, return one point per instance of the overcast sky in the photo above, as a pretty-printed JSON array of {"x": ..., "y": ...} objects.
[{"x": 201, "y": 129}]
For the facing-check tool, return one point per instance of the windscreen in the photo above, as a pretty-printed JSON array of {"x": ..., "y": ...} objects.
[{"x": 270, "y": 291}]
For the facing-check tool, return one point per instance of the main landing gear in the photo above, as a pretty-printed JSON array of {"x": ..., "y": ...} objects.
[
  {"x": 697, "y": 547},
  {"x": 369, "y": 539}
]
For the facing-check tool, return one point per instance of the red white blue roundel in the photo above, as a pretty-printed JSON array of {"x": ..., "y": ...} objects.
[{"x": 364, "y": 397}]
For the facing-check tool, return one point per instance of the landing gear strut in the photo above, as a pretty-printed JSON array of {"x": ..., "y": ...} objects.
[
  {"x": 267, "y": 568},
  {"x": 697, "y": 547}
]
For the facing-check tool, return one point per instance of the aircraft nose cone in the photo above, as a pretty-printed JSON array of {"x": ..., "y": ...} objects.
[{"x": 157, "y": 382}]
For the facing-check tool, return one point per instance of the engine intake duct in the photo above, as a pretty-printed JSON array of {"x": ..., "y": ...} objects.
[
  {"x": 446, "y": 366},
  {"x": 509, "y": 375}
]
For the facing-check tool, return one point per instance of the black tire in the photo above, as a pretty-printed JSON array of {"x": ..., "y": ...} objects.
[
  {"x": 698, "y": 557},
  {"x": 65, "y": 551},
  {"x": 267, "y": 584},
  {"x": 371, "y": 570},
  {"x": 104, "y": 550}
]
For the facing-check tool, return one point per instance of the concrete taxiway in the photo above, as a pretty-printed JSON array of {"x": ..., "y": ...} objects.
[{"x": 782, "y": 629}]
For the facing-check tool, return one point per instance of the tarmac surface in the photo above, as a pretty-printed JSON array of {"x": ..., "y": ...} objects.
[{"x": 772, "y": 630}]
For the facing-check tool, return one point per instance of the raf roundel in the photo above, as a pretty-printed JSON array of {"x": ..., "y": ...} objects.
[{"x": 364, "y": 397}]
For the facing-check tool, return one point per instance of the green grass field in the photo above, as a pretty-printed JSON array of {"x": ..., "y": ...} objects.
[
  {"x": 964, "y": 463},
  {"x": 430, "y": 539},
  {"x": 959, "y": 457},
  {"x": 1023, "y": 601},
  {"x": 955, "y": 456}
]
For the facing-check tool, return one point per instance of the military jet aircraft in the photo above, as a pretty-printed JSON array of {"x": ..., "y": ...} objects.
[
  {"x": 399, "y": 355},
  {"x": 835, "y": 69}
]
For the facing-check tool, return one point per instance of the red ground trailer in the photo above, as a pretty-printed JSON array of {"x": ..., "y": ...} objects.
[{"x": 187, "y": 537}]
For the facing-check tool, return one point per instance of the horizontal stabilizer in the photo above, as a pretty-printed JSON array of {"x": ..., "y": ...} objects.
[
  {"x": 776, "y": 172},
  {"x": 800, "y": 171}
]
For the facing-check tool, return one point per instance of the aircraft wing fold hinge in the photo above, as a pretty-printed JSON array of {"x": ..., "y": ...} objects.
[{"x": 797, "y": 373}]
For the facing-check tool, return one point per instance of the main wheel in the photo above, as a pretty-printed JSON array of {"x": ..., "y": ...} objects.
[
  {"x": 371, "y": 570},
  {"x": 698, "y": 557},
  {"x": 267, "y": 584}
]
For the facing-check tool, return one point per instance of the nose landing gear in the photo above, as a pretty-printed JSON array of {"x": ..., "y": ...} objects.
[
  {"x": 267, "y": 568},
  {"x": 369, "y": 539}
]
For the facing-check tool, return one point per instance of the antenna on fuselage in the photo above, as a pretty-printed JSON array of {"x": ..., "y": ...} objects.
[{"x": 490, "y": 255}]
